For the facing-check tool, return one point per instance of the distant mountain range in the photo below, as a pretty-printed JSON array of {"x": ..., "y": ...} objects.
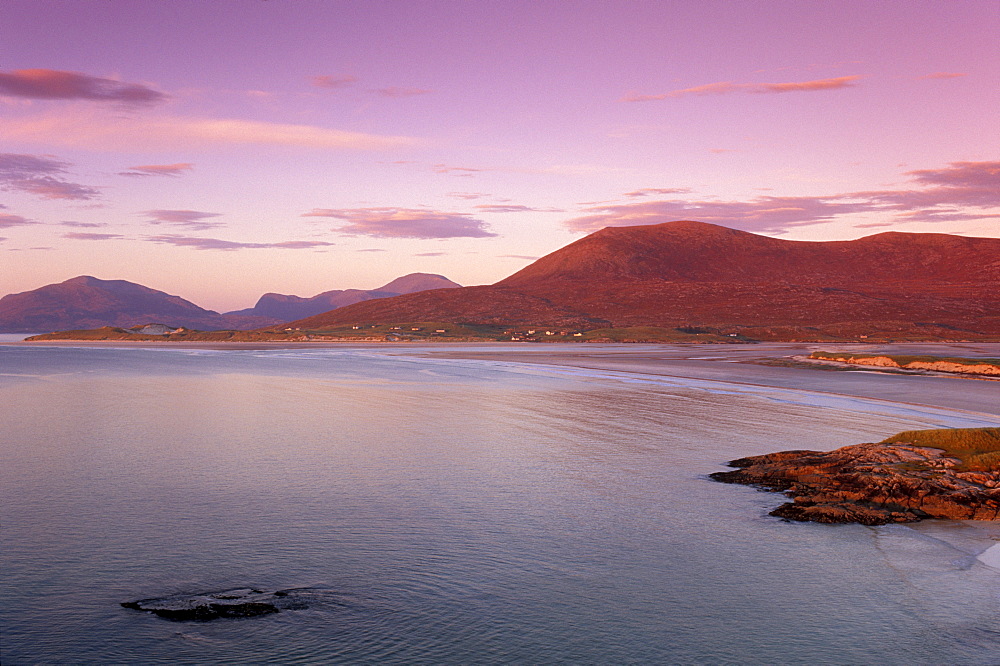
[
  {"x": 693, "y": 274},
  {"x": 690, "y": 276},
  {"x": 86, "y": 302},
  {"x": 283, "y": 307}
]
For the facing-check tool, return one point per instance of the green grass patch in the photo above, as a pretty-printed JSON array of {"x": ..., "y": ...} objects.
[{"x": 977, "y": 448}]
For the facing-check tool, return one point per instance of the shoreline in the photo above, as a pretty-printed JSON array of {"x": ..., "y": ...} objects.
[{"x": 696, "y": 362}]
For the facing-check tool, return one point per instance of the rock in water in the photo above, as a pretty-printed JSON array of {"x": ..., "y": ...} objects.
[
  {"x": 237, "y": 603},
  {"x": 889, "y": 482}
]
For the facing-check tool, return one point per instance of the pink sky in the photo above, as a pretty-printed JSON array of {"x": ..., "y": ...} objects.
[{"x": 219, "y": 150}]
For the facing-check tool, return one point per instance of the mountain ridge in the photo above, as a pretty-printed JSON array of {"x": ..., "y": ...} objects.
[
  {"x": 285, "y": 307},
  {"x": 87, "y": 302},
  {"x": 687, "y": 273}
]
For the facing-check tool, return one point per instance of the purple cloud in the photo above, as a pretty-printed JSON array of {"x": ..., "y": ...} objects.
[
  {"x": 469, "y": 196},
  {"x": 334, "y": 82},
  {"x": 84, "y": 235},
  {"x": 83, "y": 225},
  {"x": 191, "y": 219},
  {"x": 227, "y": 246},
  {"x": 430, "y": 254},
  {"x": 36, "y": 175},
  {"x": 728, "y": 87},
  {"x": 8, "y": 220},
  {"x": 57, "y": 84},
  {"x": 158, "y": 169},
  {"x": 372, "y": 249},
  {"x": 404, "y": 223},
  {"x": 951, "y": 193}
]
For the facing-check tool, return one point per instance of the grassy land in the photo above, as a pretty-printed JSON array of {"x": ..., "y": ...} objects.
[
  {"x": 904, "y": 359},
  {"x": 977, "y": 448}
]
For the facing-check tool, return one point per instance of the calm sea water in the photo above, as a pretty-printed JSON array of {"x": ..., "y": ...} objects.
[{"x": 453, "y": 512}]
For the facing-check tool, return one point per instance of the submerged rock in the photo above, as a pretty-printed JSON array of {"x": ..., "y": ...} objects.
[
  {"x": 874, "y": 484},
  {"x": 236, "y": 603}
]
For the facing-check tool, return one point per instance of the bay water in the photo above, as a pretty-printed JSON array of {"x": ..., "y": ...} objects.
[{"x": 452, "y": 511}]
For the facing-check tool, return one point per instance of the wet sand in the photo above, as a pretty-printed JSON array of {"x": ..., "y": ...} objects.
[{"x": 736, "y": 364}]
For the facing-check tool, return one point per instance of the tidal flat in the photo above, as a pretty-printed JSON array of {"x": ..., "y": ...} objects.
[{"x": 468, "y": 504}]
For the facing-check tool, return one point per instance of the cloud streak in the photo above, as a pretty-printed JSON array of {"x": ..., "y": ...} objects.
[
  {"x": 191, "y": 219},
  {"x": 513, "y": 208},
  {"x": 58, "y": 84},
  {"x": 89, "y": 236},
  {"x": 158, "y": 169},
  {"x": 729, "y": 87},
  {"x": 163, "y": 132},
  {"x": 959, "y": 191},
  {"x": 37, "y": 175},
  {"x": 8, "y": 220},
  {"x": 404, "y": 223},
  {"x": 199, "y": 243},
  {"x": 83, "y": 225}
]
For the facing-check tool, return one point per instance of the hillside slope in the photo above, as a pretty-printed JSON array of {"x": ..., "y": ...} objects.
[{"x": 695, "y": 274}]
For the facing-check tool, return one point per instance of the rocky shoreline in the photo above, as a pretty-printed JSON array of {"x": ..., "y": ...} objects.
[{"x": 880, "y": 483}]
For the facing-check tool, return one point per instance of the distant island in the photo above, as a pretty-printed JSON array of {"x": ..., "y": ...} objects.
[
  {"x": 671, "y": 282},
  {"x": 911, "y": 476}
]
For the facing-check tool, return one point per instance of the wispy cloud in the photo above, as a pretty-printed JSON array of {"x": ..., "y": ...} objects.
[
  {"x": 158, "y": 169},
  {"x": 334, "y": 82},
  {"x": 526, "y": 257},
  {"x": 404, "y": 223},
  {"x": 8, "y": 220},
  {"x": 395, "y": 91},
  {"x": 83, "y": 225},
  {"x": 469, "y": 196},
  {"x": 729, "y": 87},
  {"x": 81, "y": 129},
  {"x": 647, "y": 191},
  {"x": 37, "y": 174},
  {"x": 192, "y": 219},
  {"x": 372, "y": 249},
  {"x": 430, "y": 254},
  {"x": 944, "y": 75},
  {"x": 462, "y": 171},
  {"x": 199, "y": 243},
  {"x": 89, "y": 236},
  {"x": 513, "y": 208},
  {"x": 58, "y": 84},
  {"x": 960, "y": 191}
]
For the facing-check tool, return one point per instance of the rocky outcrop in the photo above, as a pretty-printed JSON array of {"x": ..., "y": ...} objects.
[
  {"x": 872, "y": 484},
  {"x": 237, "y": 603}
]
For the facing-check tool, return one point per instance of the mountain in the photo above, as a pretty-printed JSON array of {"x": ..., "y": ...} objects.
[
  {"x": 693, "y": 274},
  {"x": 284, "y": 307},
  {"x": 87, "y": 302}
]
